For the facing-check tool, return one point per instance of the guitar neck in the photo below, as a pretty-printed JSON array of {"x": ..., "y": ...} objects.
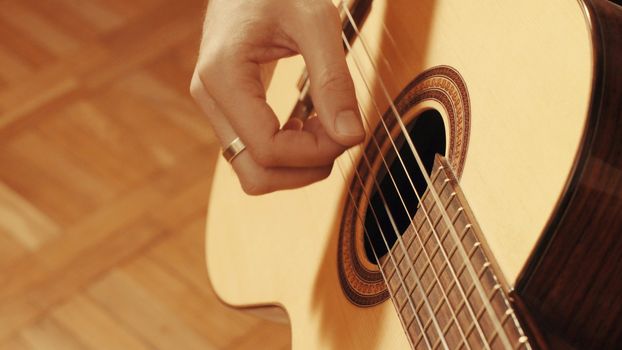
[{"x": 447, "y": 287}]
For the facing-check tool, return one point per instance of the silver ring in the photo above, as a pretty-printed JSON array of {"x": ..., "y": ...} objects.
[{"x": 233, "y": 149}]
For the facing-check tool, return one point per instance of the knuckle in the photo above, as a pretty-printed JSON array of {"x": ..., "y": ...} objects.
[
  {"x": 326, "y": 172},
  {"x": 210, "y": 67},
  {"x": 195, "y": 88},
  {"x": 207, "y": 73},
  {"x": 336, "y": 79},
  {"x": 321, "y": 9},
  {"x": 264, "y": 156},
  {"x": 254, "y": 185}
]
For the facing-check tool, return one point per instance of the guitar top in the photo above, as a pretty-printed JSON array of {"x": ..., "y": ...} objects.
[{"x": 483, "y": 210}]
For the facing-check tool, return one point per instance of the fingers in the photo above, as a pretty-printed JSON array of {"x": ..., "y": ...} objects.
[
  {"x": 230, "y": 81},
  {"x": 254, "y": 178},
  {"x": 332, "y": 88},
  {"x": 237, "y": 87}
]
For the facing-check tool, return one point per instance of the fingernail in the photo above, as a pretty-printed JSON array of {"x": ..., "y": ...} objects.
[{"x": 349, "y": 124}]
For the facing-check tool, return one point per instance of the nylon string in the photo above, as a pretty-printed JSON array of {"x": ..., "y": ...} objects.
[{"x": 432, "y": 191}]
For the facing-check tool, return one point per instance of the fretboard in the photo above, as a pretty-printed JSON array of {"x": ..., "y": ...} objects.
[{"x": 447, "y": 288}]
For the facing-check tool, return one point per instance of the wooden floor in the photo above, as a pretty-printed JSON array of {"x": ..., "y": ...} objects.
[{"x": 105, "y": 171}]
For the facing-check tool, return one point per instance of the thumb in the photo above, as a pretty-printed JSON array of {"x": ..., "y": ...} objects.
[{"x": 332, "y": 89}]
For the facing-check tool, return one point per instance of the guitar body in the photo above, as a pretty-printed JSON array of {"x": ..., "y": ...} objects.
[{"x": 540, "y": 165}]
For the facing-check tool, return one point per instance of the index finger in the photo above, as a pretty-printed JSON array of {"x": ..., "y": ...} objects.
[{"x": 237, "y": 88}]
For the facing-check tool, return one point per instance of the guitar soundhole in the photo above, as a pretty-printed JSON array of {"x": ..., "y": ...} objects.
[
  {"x": 435, "y": 109},
  {"x": 395, "y": 191}
]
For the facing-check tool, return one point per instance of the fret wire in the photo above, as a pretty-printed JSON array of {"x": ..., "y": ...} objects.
[
  {"x": 420, "y": 163},
  {"x": 508, "y": 314},
  {"x": 402, "y": 308},
  {"x": 382, "y": 121},
  {"x": 436, "y": 250},
  {"x": 419, "y": 338},
  {"x": 448, "y": 326},
  {"x": 390, "y": 216},
  {"x": 496, "y": 289},
  {"x": 404, "y": 64},
  {"x": 479, "y": 275},
  {"x": 471, "y": 329},
  {"x": 506, "y": 317},
  {"x": 399, "y": 289},
  {"x": 435, "y": 177},
  {"x": 474, "y": 249},
  {"x": 440, "y": 302},
  {"x": 436, "y": 309},
  {"x": 446, "y": 263},
  {"x": 405, "y": 251},
  {"x": 481, "y": 313},
  {"x": 436, "y": 344},
  {"x": 376, "y": 256},
  {"x": 485, "y": 267},
  {"x": 397, "y": 268},
  {"x": 463, "y": 342},
  {"x": 434, "y": 205},
  {"x": 417, "y": 343},
  {"x": 426, "y": 240},
  {"x": 393, "y": 272},
  {"x": 412, "y": 269},
  {"x": 420, "y": 305},
  {"x": 446, "y": 329},
  {"x": 454, "y": 281},
  {"x": 402, "y": 258},
  {"x": 398, "y": 236},
  {"x": 392, "y": 223},
  {"x": 417, "y": 307},
  {"x": 462, "y": 302},
  {"x": 437, "y": 281},
  {"x": 428, "y": 291},
  {"x": 428, "y": 324},
  {"x": 451, "y": 253},
  {"x": 494, "y": 336}
]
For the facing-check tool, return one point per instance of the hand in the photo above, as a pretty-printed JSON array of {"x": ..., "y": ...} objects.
[{"x": 241, "y": 41}]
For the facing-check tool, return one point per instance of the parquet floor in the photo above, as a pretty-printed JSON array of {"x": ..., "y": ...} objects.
[{"x": 105, "y": 168}]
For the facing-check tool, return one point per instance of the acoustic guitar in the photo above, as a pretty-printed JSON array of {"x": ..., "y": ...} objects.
[{"x": 484, "y": 210}]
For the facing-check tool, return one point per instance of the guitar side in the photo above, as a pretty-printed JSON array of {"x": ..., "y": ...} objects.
[{"x": 571, "y": 284}]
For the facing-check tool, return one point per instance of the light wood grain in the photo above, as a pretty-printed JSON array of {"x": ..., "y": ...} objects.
[
  {"x": 528, "y": 68},
  {"x": 105, "y": 173}
]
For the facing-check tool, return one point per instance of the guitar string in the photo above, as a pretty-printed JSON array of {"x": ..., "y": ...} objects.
[
  {"x": 421, "y": 243},
  {"x": 384, "y": 277},
  {"x": 445, "y": 215},
  {"x": 411, "y": 265},
  {"x": 410, "y": 261},
  {"x": 421, "y": 289},
  {"x": 487, "y": 305},
  {"x": 509, "y": 309}
]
